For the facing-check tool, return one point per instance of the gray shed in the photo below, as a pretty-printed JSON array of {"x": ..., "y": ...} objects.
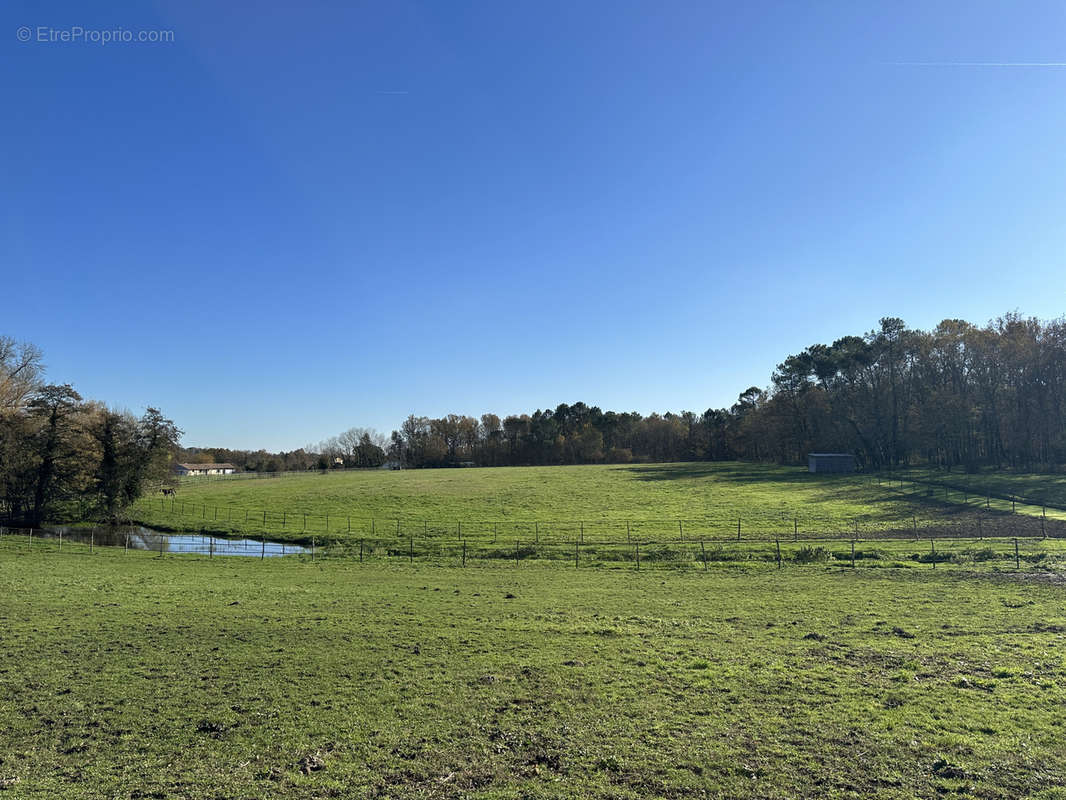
[{"x": 830, "y": 462}]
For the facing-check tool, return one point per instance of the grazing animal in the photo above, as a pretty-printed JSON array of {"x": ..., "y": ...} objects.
[{"x": 167, "y": 492}]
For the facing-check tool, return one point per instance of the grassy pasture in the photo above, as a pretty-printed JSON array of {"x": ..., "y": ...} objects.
[
  {"x": 127, "y": 676},
  {"x": 597, "y": 500}
]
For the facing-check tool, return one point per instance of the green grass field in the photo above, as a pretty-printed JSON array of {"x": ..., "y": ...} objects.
[
  {"x": 134, "y": 676},
  {"x": 595, "y": 501}
]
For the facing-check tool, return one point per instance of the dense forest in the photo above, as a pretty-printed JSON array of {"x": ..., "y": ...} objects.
[
  {"x": 957, "y": 396},
  {"x": 65, "y": 457}
]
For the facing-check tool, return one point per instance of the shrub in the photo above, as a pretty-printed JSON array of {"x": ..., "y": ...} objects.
[{"x": 811, "y": 555}]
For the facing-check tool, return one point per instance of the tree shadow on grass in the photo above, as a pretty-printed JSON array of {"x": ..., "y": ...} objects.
[{"x": 733, "y": 471}]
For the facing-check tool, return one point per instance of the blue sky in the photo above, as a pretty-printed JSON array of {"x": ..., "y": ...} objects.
[{"x": 294, "y": 219}]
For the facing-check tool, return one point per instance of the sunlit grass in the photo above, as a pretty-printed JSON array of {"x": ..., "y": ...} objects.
[
  {"x": 140, "y": 676},
  {"x": 659, "y": 500}
]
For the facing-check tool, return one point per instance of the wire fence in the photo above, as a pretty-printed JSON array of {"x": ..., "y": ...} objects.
[
  {"x": 972, "y": 552},
  {"x": 958, "y": 492},
  {"x": 134, "y": 538},
  {"x": 943, "y": 502},
  {"x": 945, "y": 520}
]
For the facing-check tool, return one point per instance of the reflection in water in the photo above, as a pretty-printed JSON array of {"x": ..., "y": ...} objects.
[{"x": 137, "y": 537}]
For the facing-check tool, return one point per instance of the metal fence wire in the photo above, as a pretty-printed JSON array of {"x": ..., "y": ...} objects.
[
  {"x": 946, "y": 521},
  {"x": 965, "y": 550}
]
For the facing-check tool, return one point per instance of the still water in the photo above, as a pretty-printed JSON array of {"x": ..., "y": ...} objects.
[{"x": 140, "y": 538}]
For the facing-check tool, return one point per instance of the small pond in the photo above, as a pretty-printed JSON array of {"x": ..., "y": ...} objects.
[{"x": 140, "y": 538}]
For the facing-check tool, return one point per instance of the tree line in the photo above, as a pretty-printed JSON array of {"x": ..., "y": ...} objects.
[
  {"x": 960, "y": 395},
  {"x": 64, "y": 457},
  {"x": 957, "y": 396},
  {"x": 353, "y": 449}
]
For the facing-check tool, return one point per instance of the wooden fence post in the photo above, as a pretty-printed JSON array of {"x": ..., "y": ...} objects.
[
  {"x": 1017, "y": 562},
  {"x": 575, "y": 553},
  {"x": 703, "y": 552},
  {"x": 638, "y": 555},
  {"x": 853, "y": 554},
  {"x": 464, "y": 554},
  {"x": 778, "y": 543}
]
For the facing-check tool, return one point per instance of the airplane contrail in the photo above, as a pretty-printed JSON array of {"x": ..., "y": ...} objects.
[{"x": 978, "y": 63}]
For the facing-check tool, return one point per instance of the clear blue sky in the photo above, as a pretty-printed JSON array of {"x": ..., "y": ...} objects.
[{"x": 296, "y": 219}]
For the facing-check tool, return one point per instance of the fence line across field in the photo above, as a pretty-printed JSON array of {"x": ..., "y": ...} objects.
[
  {"x": 753, "y": 525},
  {"x": 91, "y": 539},
  {"x": 967, "y": 494},
  {"x": 694, "y": 552}
]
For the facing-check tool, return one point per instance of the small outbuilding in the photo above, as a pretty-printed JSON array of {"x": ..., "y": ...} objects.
[{"x": 830, "y": 462}]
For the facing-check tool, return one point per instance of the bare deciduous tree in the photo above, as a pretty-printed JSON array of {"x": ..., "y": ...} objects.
[{"x": 20, "y": 372}]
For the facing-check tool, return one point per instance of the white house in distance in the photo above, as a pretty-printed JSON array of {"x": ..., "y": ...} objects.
[{"x": 205, "y": 469}]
